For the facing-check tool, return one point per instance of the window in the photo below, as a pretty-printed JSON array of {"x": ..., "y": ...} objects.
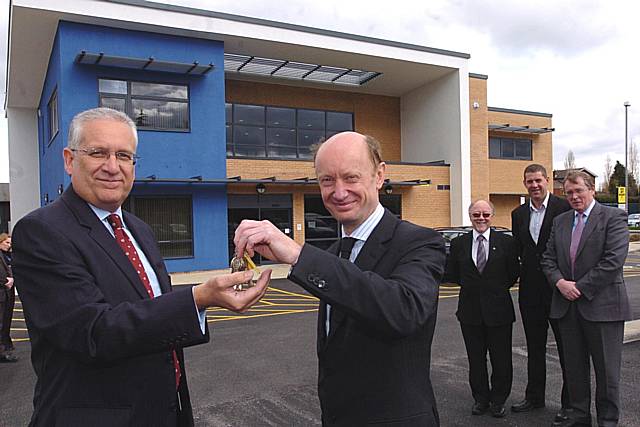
[
  {"x": 170, "y": 219},
  {"x": 153, "y": 106},
  {"x": 52, "y": 113},
  {"x": 278, "y": 132},
  {"x": 510, "y": 148}
]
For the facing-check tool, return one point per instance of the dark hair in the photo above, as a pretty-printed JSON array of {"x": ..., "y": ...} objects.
[
  {"x": 535, "y": 167},
  {"x": 373, "y": 148},
  {"x": 575, "y": 174}
]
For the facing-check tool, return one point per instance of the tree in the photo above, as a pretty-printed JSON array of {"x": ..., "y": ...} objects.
[
  {"x": 617, "y": 180},
  {"x": 570, "y": 160},
  {"x": 608, "y": 171}
]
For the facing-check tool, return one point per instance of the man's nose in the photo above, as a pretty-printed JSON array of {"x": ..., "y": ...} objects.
[
  {"x": 111, "y": 163},
  {"x": 340, "y": 190}
]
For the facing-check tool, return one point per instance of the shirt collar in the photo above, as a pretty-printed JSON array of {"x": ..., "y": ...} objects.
[
  {"x": 102, "y": 214},
  {"x": 587, "y": 211},
  {"x": 545, "y": 202},
  {"x": 364, "y": 230},
  {"x": 485, "y": 234}
]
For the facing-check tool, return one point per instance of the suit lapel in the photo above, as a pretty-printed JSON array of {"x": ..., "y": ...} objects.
[
  {"x": 565, "y": 229},
  {"x": 370, "y": 254},
  {"x": 98, "y": 232},
  {"x": 468, "y": 245}
]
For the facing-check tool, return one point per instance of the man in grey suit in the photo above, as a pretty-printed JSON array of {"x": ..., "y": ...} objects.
[{"x": 583, "y": 262}]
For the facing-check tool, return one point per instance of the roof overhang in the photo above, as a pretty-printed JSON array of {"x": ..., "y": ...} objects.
[
  {"x": 403, "y": 67},
  {"x": 152, "y": 179},
  {"x": 519, "y": 129}
]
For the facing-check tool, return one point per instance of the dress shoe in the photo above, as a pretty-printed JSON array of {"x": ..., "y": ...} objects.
[
  {"x": 563, "y": 417},
  {"x": 8, "y": 358},
  {"x": 498, "y": 411},
  {"x": 526, "y": 405},
  {"x": 479, "y": 408}
]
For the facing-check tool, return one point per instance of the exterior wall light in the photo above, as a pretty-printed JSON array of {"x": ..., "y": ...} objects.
[{"x": 261, "y": 188}]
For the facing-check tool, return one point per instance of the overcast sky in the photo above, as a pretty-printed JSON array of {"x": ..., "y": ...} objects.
[{"x": 574, "y": 59}]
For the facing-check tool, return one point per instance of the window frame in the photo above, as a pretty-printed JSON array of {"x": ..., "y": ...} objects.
[
  {"x": 513, "y": 142},
  {"x": 53, "y": 116},
  {"x": 129, "y": 97},
  {"x": 130, "y": 206},
  {"x": 231, "y": 144}
]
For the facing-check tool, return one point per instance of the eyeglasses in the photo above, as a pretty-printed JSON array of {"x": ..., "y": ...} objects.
[
  {"x": 123, "y": 157},
  {"x": 481, "y": 214}
]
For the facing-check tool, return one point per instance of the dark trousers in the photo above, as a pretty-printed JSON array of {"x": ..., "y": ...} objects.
[
  {"x": 535, "y": 320},
  {"x": 478, "y": 339},
  {"x": 6, "y": 314},
  {"x": 602, "y": 342}
]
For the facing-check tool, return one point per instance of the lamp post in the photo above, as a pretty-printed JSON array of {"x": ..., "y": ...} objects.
[{"x": 627, "y": 104}]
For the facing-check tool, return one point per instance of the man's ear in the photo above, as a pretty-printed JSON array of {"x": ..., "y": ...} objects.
[
  {"x": 382, "y": 167},
  {"x": 67, "y": 154}
]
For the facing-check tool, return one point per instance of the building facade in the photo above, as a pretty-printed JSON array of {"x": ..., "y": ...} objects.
[{"x": 228, "y": 107}]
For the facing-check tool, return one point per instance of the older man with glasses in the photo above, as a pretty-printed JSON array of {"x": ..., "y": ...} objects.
[
  {"x": 485, "y": 264},
  {"x": 107, "y": 329}
]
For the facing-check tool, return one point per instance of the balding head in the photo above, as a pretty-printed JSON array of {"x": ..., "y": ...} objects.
[{"x": 348, "y": 180}]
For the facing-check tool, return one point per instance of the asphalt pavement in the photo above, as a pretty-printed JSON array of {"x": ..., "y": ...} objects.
[{"x": 260, "y": 368}]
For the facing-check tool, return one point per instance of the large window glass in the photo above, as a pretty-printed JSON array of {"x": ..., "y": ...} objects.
[
  {"x": 279, "y": 132},
  {"x": 510, "y": 148},
  {"x": 170, "y": 219},
  {"x": 154, "y": 106}
]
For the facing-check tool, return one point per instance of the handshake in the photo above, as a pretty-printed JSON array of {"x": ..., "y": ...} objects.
[{"x": 239, "y": 291}]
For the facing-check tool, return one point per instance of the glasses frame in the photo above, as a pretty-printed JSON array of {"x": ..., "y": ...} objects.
[
  {"x": 92, "y": 151},
  {"x": 481, "y": 214}
]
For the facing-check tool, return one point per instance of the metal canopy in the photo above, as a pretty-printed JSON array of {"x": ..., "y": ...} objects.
[
  {"x": 519, "y": 129},
  {"x": 145, "y": 64},
  {"x": 280, "y": 68},
  {"x": 269, "y": 180}
]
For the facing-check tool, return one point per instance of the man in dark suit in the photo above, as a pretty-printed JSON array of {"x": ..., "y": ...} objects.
[
  {"x": 107, "y": 330},
  {"x": 584, "y": 262},
  {"x": 378, "y": 292},
  {"x": 531, "y": 224},
  {"x": 485, "y": 264}
]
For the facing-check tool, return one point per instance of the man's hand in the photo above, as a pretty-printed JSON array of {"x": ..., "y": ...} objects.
[
  {"x": 266, "y": 239},
  {"x": 568, "y": 289},
  {"x": 9, "y": 283},
  {"x": 218, "y": 291}
]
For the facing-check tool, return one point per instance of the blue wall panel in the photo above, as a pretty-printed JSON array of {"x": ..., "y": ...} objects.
[{"x": 52, "y": 172}]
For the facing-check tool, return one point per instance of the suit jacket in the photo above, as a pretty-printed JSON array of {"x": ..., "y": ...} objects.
[
  {"x": 534, "y": 289},
  {"x": 5, "y": 273},
  {"x": 484, "y": 297},
  {"x": 101, "y": 349},
  {"x": 374, "y": 367},
  {"x": 598, "y": 267}
]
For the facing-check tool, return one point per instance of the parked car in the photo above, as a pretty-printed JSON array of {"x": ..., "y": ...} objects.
[
  {"x": 450, "y": 233},
  {"x": 634, "y": 220}
]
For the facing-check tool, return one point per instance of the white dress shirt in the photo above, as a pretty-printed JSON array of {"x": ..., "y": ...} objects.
[{"x": 536, "y": 218}]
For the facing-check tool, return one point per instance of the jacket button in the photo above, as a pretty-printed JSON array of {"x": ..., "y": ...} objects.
[
  {"x": 311, "y": 278},
  {"x": 322, "y": 284}
]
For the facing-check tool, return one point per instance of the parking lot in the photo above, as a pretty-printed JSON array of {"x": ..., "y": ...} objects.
[{"x": 260, "y": 367}]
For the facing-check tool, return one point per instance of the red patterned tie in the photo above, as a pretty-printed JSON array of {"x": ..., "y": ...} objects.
[{"x": 130, "y": 251}]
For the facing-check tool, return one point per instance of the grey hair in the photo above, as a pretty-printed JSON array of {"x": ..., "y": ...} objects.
[
  {"x": 101, "y": 113},
  {"x": 493, "y": 208}
]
